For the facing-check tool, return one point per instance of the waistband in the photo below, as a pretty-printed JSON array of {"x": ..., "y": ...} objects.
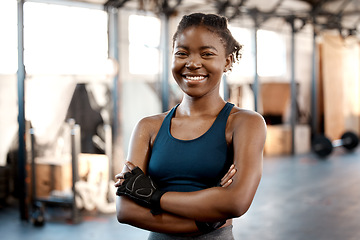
[{"x": 224, "y": 233}]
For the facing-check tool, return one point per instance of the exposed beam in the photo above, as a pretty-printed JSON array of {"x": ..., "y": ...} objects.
[
  {"x": 165, "y": 8},
  {"x": 115, "y": 3},
  {"x": 70, "y": 3}
]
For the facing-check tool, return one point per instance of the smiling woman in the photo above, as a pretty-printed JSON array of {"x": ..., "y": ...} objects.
[
  {"x": 194, "y": 168},
  {"x": 199, "y": 61}
]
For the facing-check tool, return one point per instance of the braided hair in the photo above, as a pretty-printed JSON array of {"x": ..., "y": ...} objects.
[{"x": 216, "y": 24}]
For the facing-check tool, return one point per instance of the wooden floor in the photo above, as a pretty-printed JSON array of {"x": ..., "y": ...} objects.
[{"x": 299, "y": 198}]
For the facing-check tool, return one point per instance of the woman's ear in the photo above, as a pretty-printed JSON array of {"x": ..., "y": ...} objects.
[{"x": 229, "y": 63}]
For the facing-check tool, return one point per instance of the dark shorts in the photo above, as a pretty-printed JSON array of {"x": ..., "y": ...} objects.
[{"x": 224, "y": 233}]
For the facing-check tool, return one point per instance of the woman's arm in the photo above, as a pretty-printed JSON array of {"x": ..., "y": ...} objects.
[
  {"x": 207, "y": 205},
  {"x": 133, "y": 214},
  {"x": 129, "y": 212},
  {"x": 214, "y": 204}
]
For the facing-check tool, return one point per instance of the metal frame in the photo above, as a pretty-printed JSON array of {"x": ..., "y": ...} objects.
[{"x": 39, "y": 202}]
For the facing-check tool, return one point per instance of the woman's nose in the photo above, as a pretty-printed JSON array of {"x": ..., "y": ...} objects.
[{"x": 193, "y": 63}]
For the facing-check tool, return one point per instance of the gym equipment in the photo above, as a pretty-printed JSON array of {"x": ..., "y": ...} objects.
[
  {"x": 322, "y": 146},
  {"x": 37, "y": 215},
  {"x": 38, "y": 203}
]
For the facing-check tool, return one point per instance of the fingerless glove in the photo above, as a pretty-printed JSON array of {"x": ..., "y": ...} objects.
[{"x": 141, "y": 189}]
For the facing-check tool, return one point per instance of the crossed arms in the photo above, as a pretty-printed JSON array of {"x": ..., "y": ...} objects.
[{"x": 181, "y": 210}]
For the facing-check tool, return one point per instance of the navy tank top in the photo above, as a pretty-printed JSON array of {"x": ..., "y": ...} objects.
[{"x": 191, "y": 165}]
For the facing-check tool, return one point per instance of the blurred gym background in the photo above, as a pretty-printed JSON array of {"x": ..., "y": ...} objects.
[{"x": 77, "y": 75}]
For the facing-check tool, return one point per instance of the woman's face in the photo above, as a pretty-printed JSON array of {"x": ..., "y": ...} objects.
[{"x": 199, "y": 61}]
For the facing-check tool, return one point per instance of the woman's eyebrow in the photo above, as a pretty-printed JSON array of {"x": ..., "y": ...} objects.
[
  {"x": 201, "y": 48},
  {"x": 208, "y": 47},
  {"x": 183, "y": 47}
]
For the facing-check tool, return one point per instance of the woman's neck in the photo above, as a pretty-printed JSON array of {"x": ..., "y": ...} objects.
[{"x": 190, "y": 106}]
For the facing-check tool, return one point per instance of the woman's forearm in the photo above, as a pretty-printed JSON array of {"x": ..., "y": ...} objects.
[
  {"x": 206, "y": 205},
  {"x": 130, "y": 213},
  {"x": 213, "y": 204}
]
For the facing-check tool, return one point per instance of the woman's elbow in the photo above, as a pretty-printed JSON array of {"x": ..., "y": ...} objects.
[
  {"x": 120, "y": 210},
  {"x": 120, "y": 217},
  {"x": 238, "y": 208}
]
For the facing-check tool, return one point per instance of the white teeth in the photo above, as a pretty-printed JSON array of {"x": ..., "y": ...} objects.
[{"x": 195, "y": 78}]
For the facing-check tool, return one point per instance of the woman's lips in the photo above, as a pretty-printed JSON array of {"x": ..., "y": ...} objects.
[{"x": 197, "y": 78}]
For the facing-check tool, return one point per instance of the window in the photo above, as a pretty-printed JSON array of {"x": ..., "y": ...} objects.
[
  {"x": 144, "y": 41},
  {"x": 271, "y": 51},
  {"x": 246, "y": 65},
  {"x": 64, "y": 40},
  {"x": 271, "y": 54},
  {"x": 8, "y": 39}
]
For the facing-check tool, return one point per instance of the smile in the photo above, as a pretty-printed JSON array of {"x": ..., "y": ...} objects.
[{"x": 194, "y": 78}]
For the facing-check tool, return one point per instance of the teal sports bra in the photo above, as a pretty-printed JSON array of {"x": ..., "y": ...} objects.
[{"x": 191, "y": 165}]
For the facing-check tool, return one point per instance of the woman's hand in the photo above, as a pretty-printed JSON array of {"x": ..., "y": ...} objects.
[
  {"x": 227, "y": 179},
  {"x": 141, "y": 189},
  {"x": 128, "y": 166}
]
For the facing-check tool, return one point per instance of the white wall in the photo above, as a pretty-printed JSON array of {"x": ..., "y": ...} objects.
[{"x": 8, "y": 115}]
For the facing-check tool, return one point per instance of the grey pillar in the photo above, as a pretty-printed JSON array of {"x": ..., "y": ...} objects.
[
  {"x": 226, "y": 88},
  {"x": 165, "y": 62},
  {"x": 256, "y": 76},
  {"x": 314, "y": 114},
  {"x": 113, "y": 31},
  {"x": 23, "y": 207},
  {"x": 293, "y": 89}
]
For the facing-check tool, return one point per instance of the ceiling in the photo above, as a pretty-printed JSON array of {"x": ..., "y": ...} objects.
[{"x": 343, "y": 15}]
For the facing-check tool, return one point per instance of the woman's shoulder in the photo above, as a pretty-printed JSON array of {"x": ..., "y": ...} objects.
[
  {"x": 244, "y": 118},
  {"x": 152, "y": 123},
  {"x": 152, "y": 120}
]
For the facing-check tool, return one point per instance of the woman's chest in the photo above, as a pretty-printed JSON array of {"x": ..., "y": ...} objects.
[{"x": 190, "y": 128}]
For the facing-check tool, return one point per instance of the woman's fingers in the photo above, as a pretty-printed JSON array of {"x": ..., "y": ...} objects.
[
  {"x": 118, "y": 183},
  {"x": 129, "y": 165},
  {"x": 230, "y": 169},
  {"x": 119, "y": 175},
  {"x": 228, "y": 172},
  {"x": 227, "y": 179},
  {"x": 227, "y": 183}
]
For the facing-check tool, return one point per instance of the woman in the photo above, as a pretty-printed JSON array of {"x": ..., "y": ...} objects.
[{"x": 187, "y": 150}]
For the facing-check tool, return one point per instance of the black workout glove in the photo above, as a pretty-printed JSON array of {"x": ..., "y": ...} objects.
[
  {"x": 206, "y": 227},
  {"x": 141, "y": 189}
]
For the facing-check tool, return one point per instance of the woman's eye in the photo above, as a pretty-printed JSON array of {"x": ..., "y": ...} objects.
[
  {"x": 181, "y": 54},
  {"x": 208, "y": 54}
]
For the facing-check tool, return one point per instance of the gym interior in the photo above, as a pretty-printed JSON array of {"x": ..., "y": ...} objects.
[{"x": 77, "y": 75}]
